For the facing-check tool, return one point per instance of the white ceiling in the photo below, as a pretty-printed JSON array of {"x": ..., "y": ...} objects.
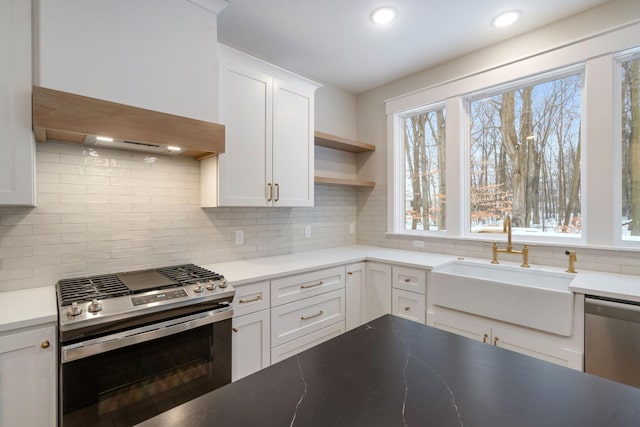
[{"x": 335, "y": 42}]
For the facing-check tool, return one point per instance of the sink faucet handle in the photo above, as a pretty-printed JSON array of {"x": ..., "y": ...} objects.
[{"x": 572, "y": 261}]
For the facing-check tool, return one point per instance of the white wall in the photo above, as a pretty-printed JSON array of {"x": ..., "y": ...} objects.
[
  {"x": 372, "y": 204},
  {"x": 335, "y": 111},
  {"x": 118, "y": 212}
]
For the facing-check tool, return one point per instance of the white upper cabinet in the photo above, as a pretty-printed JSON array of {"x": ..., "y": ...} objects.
[
  {"x": 17, "y": 146},
  {"x": 157, "y": 55},
  {"x": 268, "y": 115}
]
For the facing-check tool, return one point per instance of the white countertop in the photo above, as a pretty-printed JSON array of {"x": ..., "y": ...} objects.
[
  {"x": 37, "y": 306},
  {"x": 27, "y": 307},
  {"x": 252, "y": 270}
]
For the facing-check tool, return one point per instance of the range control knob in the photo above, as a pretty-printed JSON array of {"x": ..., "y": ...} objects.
[
  {"x": 94, "y": 306},
  {"x": 211, "y": 285},
  {"x": 198, "y": 288},
  {"x": 74, "y": 310},
  {"x": 223, "y": 283}
]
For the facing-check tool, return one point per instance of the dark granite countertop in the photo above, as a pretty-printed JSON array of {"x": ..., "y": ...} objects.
[{"x": 393, "y": 372}]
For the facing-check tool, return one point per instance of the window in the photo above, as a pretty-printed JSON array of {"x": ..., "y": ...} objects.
[
  {"x": 525, "y": 150},
  {"x": 425, "y": 185},
  {"x": 631, "y": 150}
]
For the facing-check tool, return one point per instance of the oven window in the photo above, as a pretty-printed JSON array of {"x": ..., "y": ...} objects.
[{"x": 129, "y": 385}]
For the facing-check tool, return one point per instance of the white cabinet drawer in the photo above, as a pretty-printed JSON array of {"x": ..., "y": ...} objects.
[
  {"x": 409, "y": 279},
  {"x": 291, "y": 321},
  {"x": 409, "y": 305},
  {"x": 306, "y": 342},
  {"x": 251, "y": 298},
  {"x": 306, "y": 285}
]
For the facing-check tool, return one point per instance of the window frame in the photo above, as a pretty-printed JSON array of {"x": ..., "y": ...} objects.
[
  {"x": 545, "y": 77},
  {"x": 601, "y": 160},
  {"x": 620, "y": 57}
]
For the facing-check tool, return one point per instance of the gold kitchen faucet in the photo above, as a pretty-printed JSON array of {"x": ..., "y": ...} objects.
[{"x": 506, "y": 228}]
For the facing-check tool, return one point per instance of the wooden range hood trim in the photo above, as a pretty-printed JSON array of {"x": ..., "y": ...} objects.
[{"x": 69, "y": 117}]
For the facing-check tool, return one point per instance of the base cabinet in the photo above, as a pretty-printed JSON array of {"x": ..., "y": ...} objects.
[
  {"x": 28, "y": 378},
  {"x": 250, "y": 344},
  {"x": 523, "y": 340},
  {"x": 377, "y": 290},
  {"x": 408, "y": 305},
  {"x": 355, "y": 295}
]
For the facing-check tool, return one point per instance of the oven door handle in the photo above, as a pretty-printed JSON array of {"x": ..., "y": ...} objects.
[{"x": 135, "y": 336}]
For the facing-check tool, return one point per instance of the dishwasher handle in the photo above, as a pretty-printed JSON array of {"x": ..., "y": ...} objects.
[{"x": 627, "y": 311}]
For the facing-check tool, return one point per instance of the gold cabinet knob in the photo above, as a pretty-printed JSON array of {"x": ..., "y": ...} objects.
[
  {"x": 407, "y": 308},
  {"x": 495, "y": 341},
  {"x": 484, "y": 338},
  {"x": 45, "y": 344},
  {"x": 407, "y": 280},
  {"x": 234, "y": 329}
]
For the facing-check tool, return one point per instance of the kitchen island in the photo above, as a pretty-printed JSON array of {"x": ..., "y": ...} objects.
[{"x": 393, "y": 372}]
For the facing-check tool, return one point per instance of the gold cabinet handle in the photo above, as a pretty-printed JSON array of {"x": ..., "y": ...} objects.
[
  {"x": 45, "y": 344},
  {"x": 349, "y": 273},
  {"x": 234, "y": 329},
  {"x": 320, "y": 283},
  {"x": 495, "y": 341},
  {"x": 407, "y": 308},
  {"x": 269, "y": 192},
  {"x": 277, "y": 193},
  {"x": 312, "y": 316},
  {"x": 484, "y": 338},
  {"x": 407, "y": 280},
  {"x": 244, "y": 301}
]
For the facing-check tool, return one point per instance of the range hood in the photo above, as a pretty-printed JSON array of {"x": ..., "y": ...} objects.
[{"x": 63, "y": 116}]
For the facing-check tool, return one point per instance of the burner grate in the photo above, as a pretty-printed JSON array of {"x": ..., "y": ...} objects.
[
  {"x": 189, "y": 274},
  {"x": 89, "y": 288}
]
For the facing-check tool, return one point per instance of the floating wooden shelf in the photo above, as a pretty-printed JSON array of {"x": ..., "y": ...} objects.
[
  {"x": 340, "y": 181},
  {"x": 347, "y": 145},
  {"x": 343, "y": 144}
]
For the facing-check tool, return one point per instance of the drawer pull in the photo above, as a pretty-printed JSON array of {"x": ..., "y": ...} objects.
[
  {"x": 484, "y": 338},
  {"x": 45, "y": 344},
  {"x": 407, "y": 280},
  {"x": 244, "y": 301},
  {"x": 234, "y": 329},
  {"x": 320, "y": 283},
  {"x": 407, "y": 308},
  {"x": 312, "y": 316},
  {"x": 495, "y": 341}
]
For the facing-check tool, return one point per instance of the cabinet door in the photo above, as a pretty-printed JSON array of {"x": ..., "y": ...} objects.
[
  {"x": 244, "y": 169},
  {"x": 250, "y": 347},
  {"x": 293, "y": 144},
  {"x": 461, "y": 324},
  {"x": 355, "y": 295},
  {"x": 531, "y": 344},
  {"x": 17, "y": 145},
  {"x": 28, "y": 378},
  {"x": 377, "y": 290},
  {"x": 409, "y": 305}
]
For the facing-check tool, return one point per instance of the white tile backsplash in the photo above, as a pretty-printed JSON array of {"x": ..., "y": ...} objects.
[{"x": 124, "y": 211}]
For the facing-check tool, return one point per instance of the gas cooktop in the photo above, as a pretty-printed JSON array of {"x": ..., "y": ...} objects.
[{"x": 109, "y": 297}]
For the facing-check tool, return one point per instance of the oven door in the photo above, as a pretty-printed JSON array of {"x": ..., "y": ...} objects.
[{"x": 128, "y": 377}]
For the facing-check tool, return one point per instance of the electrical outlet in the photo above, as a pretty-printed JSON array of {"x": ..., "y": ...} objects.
[
  {"x": 307, "y": 231},
  {"x": 418, "y": 243},
  {"x": 239, "y": 237},
  {"x": 352, "y": 228}
]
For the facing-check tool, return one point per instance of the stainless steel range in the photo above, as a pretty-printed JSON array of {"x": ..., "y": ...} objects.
[{"x": 135, "y": 344}]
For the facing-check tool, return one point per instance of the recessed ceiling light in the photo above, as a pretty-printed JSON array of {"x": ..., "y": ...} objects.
[
  {"x": 174, "y": 148},
  {"x": 104, "y": 138},
  {"x": 506, "y": 18},
  {"x": 384, "y": 15}
]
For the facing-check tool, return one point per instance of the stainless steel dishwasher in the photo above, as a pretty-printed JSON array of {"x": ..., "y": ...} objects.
[{"x": 612, "y": 339}]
